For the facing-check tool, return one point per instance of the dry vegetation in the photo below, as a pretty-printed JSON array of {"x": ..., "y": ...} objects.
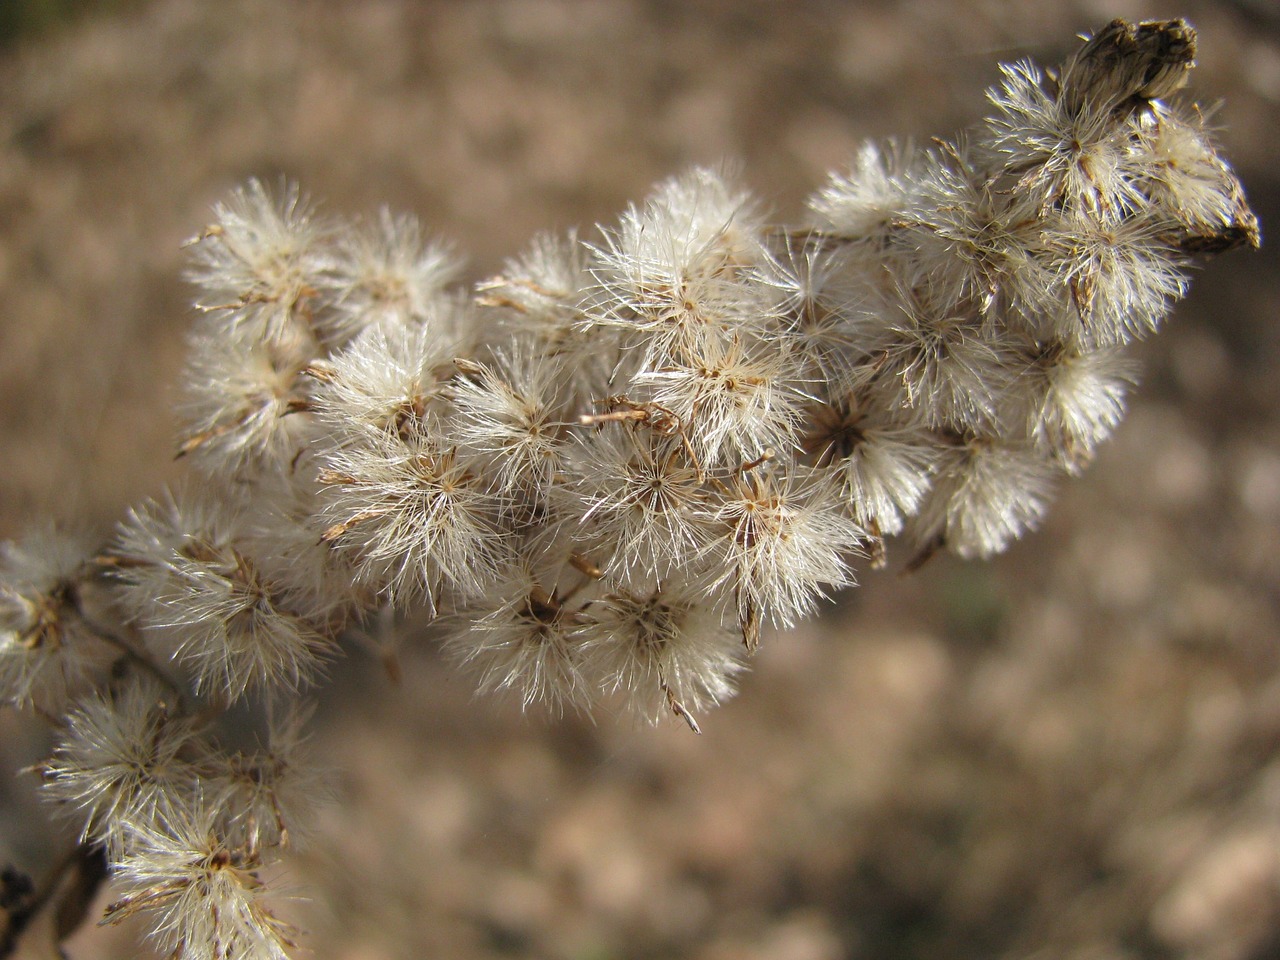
[{"x": 1071, "y": 752}]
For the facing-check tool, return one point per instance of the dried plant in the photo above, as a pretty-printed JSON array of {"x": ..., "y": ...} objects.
[{"x": 604, "y": 471}]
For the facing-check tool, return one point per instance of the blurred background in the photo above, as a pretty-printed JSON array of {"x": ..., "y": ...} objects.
[{"x": 1071, "y": 752}]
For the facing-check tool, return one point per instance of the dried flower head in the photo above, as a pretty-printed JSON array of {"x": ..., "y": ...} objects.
[
  {"x": 663, "y": 652},
  {"x": 186, "y": 578},
  {"x": 258, "y": 261},
  {"x": 205, "y": 897},
  {"x": 384, "y": 274},
  {"x": 127, "y": 759},
  {"x": 48, "y": 651},
  {"x": 414, "y": 517}
]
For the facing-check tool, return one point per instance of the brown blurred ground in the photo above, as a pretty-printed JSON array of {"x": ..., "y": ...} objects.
[{"x": 1071, "y": 752}]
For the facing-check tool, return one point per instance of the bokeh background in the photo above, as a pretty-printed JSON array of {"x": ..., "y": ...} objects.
[{"x": 1071, "y": 752}]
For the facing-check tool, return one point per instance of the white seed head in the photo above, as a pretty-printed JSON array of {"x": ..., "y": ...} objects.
[
  {"x": 385, "y": 380},
  {"x": 269, "y": 795},
  {"x": 822, "y": 309},
  {"x": 508, "y": 413},
  {"x": 385, "y": 274},
  {"x": 985, "y": 495},
  {"x": 663, "y": 652},
  {"x": 734, "y": 399},
  {"x": 127, "y": 758},
  {"x": 205, "y": 897},
  {"x": 187, "y": 579},
  {"x": 257, "y": 263},
  {"x": 414, "y": 518},
  {"x": 310, "y": 576},
  {"x": 1073, "y": 400},
  {"x": 679, "y": 269},
  {"x": 643, "y": 500},
  {"x": 784, "y": 541},
  {"x": 1116, "y": 282},
  {"x": 1179, "y": 169},
  {"x": 1054, "y": 156},
  {"x": 245, "y": 402},
  {"x": 861, "y": 206},
  {"x": 939, "y": 362},
  {"x": 524, "y": 638},
  {"x": 48, "y": 652},
  {"x": 883, "y": 465}
]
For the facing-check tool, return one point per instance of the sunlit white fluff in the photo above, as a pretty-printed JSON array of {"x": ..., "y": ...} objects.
[
  {"x": 48, "y": 652},
  {"x": 734, "y": 399},
  {"x": 664, "y": 652},
  {"x": 957, "y": 238},
  {"x": 268, "y": 794},
  {"x": 1056, "y": 156},
  {"x": 525, "y": 638},
  {"x": 414, "y": 519},
  {"x": 384, "y": 273},
  {"x": 783, "y": 543},
  {"x": 883, "y": 465},
  {"x": 860, "y": 206},
  {"x": 1074, "y": 400},
  {"x": 387, "y": 379},
  {"x": 822, "y": 306},
  {"x": 507, "y": 412},
  {"x": 640, "y": 497},
  {"x": 245, "y": 401},
  {"x": 678, "y": 269},
  {"x": 540, "y": 298},
  {"x": 257, "y": 263},
  {"x": 203, "y": 599},
  {"x": 1118, "y": 280},
  {"x": 1175, "y": 162},
  {"x": 309, "y": 575},
  {"x": 938, "y": 361},
  {"x": 126, "y": 758},
  {"x": 986, "y": 493},
  {"x": 540, "y": 292},
  {"x": 203, "y": 896}
]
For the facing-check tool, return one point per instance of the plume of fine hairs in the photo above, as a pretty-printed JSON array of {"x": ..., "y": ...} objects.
[{"x": 607, "y": 470}]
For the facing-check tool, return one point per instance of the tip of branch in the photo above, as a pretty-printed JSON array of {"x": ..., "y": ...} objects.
[{"x": 1125, "y": 63}]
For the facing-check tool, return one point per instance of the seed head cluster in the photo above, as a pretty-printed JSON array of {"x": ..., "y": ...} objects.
[{"x": 602, "y": 474}]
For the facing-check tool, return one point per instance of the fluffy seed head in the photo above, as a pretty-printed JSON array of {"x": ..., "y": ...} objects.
[
  {"x": 48, "y": 653},
  {"x": 784, "y": 542},
  {"x": 245, "y": 405},
  {"x": 204, "y": 897},
  {"x": 125, "y": 759},
  {"x": 985, "y": 495},
  {"x": 186, "y": 578},
  {"x": 664, "y": 652},
  {"x": 258, "y": 261},
  {"x": 413, "y": 517},
  {"x": 507, "y": 412},
  {"x": 384, "y": 274},
  {"x": 525, "y": 639},
  {"x": 677, "y": 270},
  {"x": 639, "y": 495}
]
